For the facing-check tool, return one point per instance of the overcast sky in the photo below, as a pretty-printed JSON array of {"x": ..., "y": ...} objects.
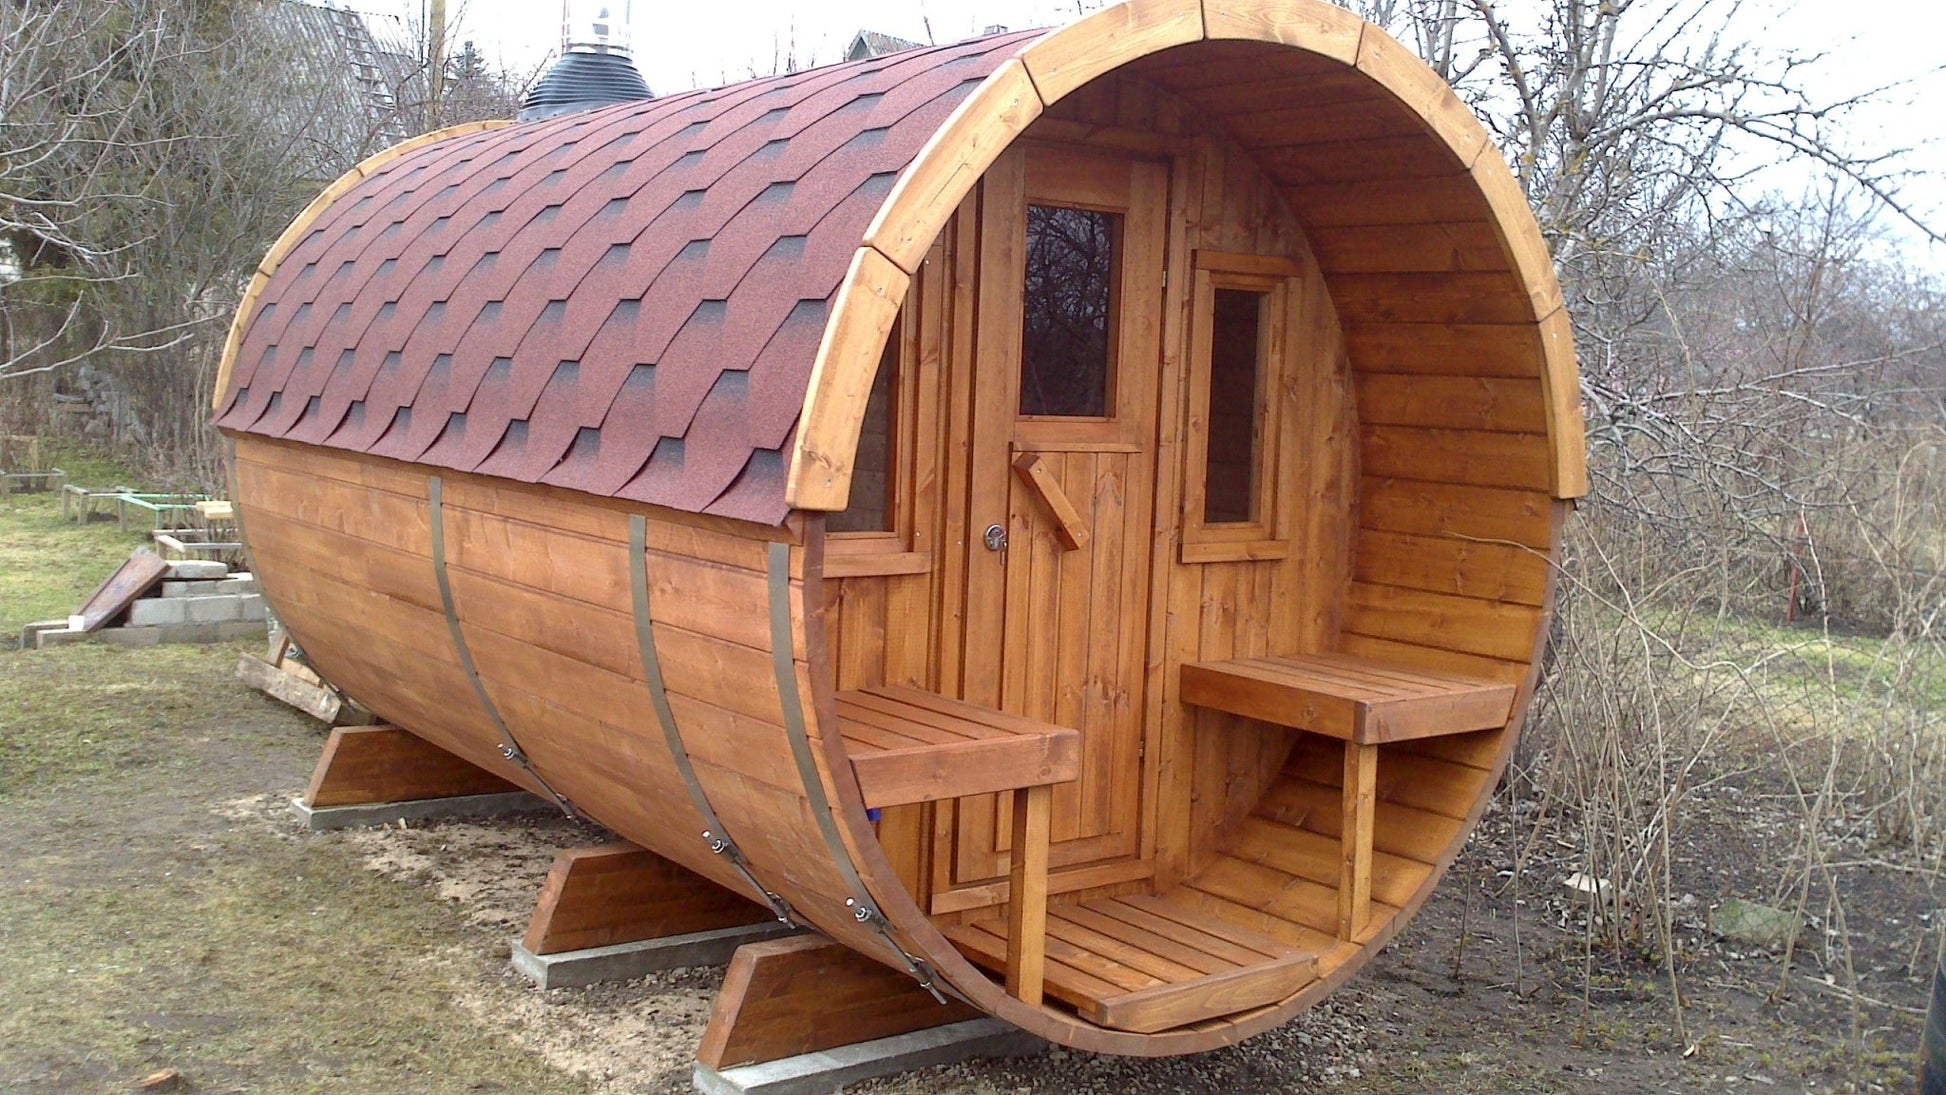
[{"x": 701, "y": 43}]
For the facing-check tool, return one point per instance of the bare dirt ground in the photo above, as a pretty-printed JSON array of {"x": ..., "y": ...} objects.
[{"x": 160, "y": 908}]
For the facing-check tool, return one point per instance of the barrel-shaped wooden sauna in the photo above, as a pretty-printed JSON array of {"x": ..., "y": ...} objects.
[{"x": 1067, "y": 514}]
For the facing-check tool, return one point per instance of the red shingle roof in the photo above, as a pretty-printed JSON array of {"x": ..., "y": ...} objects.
[{"x": 624, "y": 301}]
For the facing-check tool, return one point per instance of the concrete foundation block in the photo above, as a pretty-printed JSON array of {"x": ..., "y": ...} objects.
[
  {"x": 627, "y": 961},
  {"x": 324, "y": 818},
  {"x": 831, "y": 1070},
  {"x": 185, "y": 569},
  {"x": 131, "y": 636},
  {"x": 212, "y": 610},
  {"x": 206, "y": 587},
  {"x": 158, "y": 611},
  {"x": 30, "y": 635},
  {"x": 241, "y": 629},
  {"x": 252, "y": 608}
]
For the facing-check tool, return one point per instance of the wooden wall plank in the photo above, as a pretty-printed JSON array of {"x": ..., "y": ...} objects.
[
  {"x": 1435, "y": 619},
  {"x": 1456, "y": 510},
  {"x": 1465, "y": 568},
  {"x": 1461, "y": 403},
  {"x": 1430, "y": 297},
  {"x": 1471, "y": 457}
]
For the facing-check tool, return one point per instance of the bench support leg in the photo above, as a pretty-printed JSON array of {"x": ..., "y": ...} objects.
[
  {"x": 619, "y": 893},
  {"x": 1355, "y": 839},
  {"x": 374, "y": 775},
  {"x": 365, "y": 765},
  {"x": 1027, "y": 905},
  {"x": 805, "y": 994},
  {"x": 616, "y": 911}
]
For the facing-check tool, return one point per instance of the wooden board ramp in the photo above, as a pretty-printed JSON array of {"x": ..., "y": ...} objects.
[{"x": 140, "y": 573}]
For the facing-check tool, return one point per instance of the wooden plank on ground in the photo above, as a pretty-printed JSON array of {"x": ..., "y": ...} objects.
[{"x": 309, "y": 696}]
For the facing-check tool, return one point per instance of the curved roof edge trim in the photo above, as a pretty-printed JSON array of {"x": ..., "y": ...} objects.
[
  {"x": 359, "y": 172},
  {"x": 933, "y": 185}
]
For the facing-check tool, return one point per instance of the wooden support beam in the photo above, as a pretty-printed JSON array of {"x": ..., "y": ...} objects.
[
  {"x": 618, "y": 893},
  {"x": 1027, "y": 903},
  {"x": 1355, "y": 839},
  {"x": 1069, "y": 525},
  {"x": 805, "y": 994},
  {"x": 366, "y": 765}
]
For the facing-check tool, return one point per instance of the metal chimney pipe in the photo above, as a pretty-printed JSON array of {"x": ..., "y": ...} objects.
[
  {"x": 595, "y": 26},
  {"x": 594, "y": 69}
]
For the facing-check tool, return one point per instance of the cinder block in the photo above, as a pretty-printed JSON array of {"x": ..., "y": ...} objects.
[
  {"x": 210, "y": 587},
  {"x": 159, "y": 611},
  {"x": 189, "y": 633},
  {"x": 253, "y": 608},
  {"x": 28, "y": 633},
  {"x": 131, "y": 636},
  {"x": 51, "y": 633},
  {"x": 212, "y": 610},
  {"x": 241, "y": 629},
  {"x": 196, "y": 568}
]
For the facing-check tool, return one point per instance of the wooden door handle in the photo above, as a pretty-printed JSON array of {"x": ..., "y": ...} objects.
[{"x": 1067, "y": 520}]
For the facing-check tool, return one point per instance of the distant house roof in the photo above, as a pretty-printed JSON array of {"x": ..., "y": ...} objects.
[
  {"x": 366, "y": 67},
  {"x": 870, "y": 43}
]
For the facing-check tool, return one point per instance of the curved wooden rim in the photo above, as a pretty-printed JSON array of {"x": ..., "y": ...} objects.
[
  {"x": 931, "y": 188},
  {"x": 915, "y": 928},
  {"x": 295, "y": 232}
]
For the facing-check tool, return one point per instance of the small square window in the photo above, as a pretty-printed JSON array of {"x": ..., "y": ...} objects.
[{"x": 1240, "y": 332}]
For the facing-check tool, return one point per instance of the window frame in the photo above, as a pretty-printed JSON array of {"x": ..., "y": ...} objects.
[
  {"x": 1268, "y": 537},
  {"x": 890, "y": 551}
]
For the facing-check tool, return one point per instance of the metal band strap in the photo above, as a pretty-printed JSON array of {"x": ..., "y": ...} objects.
[
  {"x": 509, "y": 748},
  {"x": 781, "y": 660},
  {"x": 714, "y": 832}
]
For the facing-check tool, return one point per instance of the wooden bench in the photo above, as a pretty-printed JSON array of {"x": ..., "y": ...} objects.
[
  {"x": 908, "y": 746},
  {"x": 1364, "y": 703}
]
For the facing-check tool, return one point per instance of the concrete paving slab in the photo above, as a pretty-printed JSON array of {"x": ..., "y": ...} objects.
[
  {"x": 625, "y": 961},
  {"x": 324, "y": 818},
  {"x": 832, "y": 1070}
]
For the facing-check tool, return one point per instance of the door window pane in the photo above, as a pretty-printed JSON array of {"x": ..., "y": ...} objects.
[
  {"x": 1230, "y": 466},
  {"x": 1066, "y": 346}
]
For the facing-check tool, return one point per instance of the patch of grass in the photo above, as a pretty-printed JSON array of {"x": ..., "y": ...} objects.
[
  {"x": 283, "y": 966},
  {"x": 145, "y": 923},
  {"x": 83, "y": 712},
  {"x": 48, "y": 566}
]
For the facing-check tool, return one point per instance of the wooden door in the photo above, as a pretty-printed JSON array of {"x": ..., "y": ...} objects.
[{"x": 1062, "y": 469}]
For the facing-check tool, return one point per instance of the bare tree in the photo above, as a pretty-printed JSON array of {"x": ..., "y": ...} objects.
[{"x": 150, "y": 151}]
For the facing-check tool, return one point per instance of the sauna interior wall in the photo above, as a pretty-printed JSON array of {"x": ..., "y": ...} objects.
[{"x": 897, "y": 628}]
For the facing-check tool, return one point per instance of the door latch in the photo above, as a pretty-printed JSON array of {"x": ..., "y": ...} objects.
[{"x": 996, "y": 539}]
